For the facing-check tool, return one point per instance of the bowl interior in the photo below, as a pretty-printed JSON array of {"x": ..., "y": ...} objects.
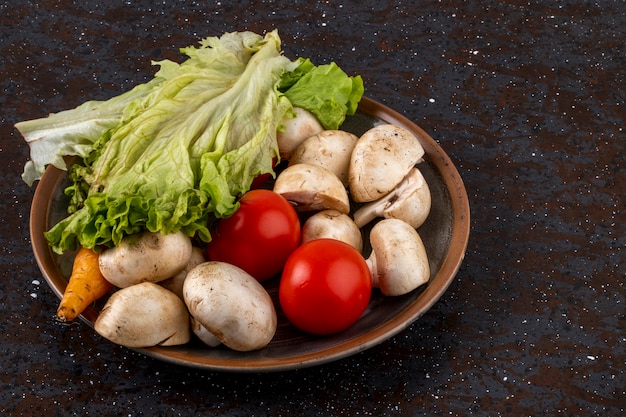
[{"x": 445, "y": 234}]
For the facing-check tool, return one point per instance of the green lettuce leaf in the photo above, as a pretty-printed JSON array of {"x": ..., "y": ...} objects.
[
  {"x": 325, "y": 90},
  {"x": 176, "y": 152},
  {"x": 184, "y": 152},
  {"x": 73, "y": 132}
]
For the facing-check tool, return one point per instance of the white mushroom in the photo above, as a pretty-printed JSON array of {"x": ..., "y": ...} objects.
[
  {"x": 231, "y": 305},
  {"x": 145, "y": 256},
  {"x": 410, "y": 201},
  {"x": 175, "y": 283},
  {"x": 144, "y": 315},
  {"x": 398, "y": 262},
  {"x": 295, "y": 130},
  {"x": 381, "y": 158},
  {"x": 312, "y": 188},
  {"x": 330, "y": 149},
  {"x": 332, "y": 224}
]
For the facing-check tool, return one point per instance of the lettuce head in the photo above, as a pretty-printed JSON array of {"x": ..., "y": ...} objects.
[{"x": 176, "y": 152}]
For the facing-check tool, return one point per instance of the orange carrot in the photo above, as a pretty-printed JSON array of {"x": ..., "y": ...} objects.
[{"x": 86, "y": 285}]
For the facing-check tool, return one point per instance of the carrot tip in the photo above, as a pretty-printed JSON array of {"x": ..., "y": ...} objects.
[
  {"x": 64, "y": 321},
  {"x": 66, "y": 315}
]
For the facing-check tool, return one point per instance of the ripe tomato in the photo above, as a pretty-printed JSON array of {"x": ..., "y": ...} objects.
[
  {"x": 325, "y": 286},
  {"x": 259, "y": 236}
]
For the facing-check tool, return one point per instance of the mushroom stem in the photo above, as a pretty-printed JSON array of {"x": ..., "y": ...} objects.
[
  {"x": 369, "y": 212},
  {"x": 371, "y": 264},
  {"x": 409, "y": 201}
]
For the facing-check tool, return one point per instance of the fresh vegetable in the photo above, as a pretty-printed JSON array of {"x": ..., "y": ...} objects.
[
  {"x": 398, "y": 262},
  {"x": 185, "y": 150},
  {"x": 259, "y": 236},
  {"x": 311, "y": 188},
  {"x": 307, "y": 83},
  {"x": 86, "y": 285},
  {"x": 330, "y": 149},
  {"x": 74, "y": 132},
  {"x": 146, "y": 256},
  {"x": 231, "y": 305},
  {"x": 142, "y": 315},
  {"x": 174, "y": 159},
  {"x": 332, "y": 224},
  {"x": 409, "y": 201},
  {"x": 175, "y": 154},
  {"x": 325, "y": 286},
  {"x": 381, "y": 158},
  {"x": 295, "y": 130}
]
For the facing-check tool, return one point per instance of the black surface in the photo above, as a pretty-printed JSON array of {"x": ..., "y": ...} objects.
[{"x": 527, "y": 98}]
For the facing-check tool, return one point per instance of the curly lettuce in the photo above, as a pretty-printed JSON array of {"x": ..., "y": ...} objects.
[{"x": 175, "y": 153}]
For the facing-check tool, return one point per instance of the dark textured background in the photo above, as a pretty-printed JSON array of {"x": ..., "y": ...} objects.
[{"x": 527, "y": 98}]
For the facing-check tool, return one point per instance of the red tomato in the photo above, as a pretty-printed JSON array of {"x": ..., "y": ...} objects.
[
  {"x": 259, "y": 236},
  {"x": 325, "y": 286}
]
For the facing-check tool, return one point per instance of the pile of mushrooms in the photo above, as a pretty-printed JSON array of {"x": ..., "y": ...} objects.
[
  {"x": 348, "y": 181},
  {"x": 168, "y": 291}
]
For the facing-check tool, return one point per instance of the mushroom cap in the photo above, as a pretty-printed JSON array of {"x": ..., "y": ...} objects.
[
  {"x": 144, "y": 315},
  {"x": 332, "y": 224},
  {"x": 399, "y": 263},
  {"x": 410, "y": 201},
  {"x": 231, "y": 305},
  {"x": 175, "y": 283},
  {"x": 330, "y": 149},
  {"x": 146, "y": 256},
  {"x": 381, "y": 158},
  {"x": 312, "y": 188},
  {"x": 295, "y": 130}
]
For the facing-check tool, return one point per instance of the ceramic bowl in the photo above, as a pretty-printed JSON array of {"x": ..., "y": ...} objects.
[{"x": 445, "y": 234}]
